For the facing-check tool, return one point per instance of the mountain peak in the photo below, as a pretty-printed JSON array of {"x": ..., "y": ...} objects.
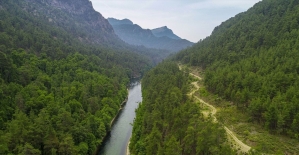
[
  {"x": 165, "y": 32},
  {"x": 114, "y": 21},
  {"x": 136, "y": 35},
  {"x": 65, "y": 12}
]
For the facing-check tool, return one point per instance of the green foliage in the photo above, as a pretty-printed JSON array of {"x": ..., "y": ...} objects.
[
  {"x": 58, "y": 95},
  {"x": 57, "y": 111},
  {"x": 167, "y": 122},
  {"x": 252, "y": 60}
]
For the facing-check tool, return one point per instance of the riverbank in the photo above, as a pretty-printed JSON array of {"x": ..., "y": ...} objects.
[
  {"x": 117, "y": 141},
  {"x": 119, "y": 110},
  {"x": 128, "y": 149},
  {"x": 112, "y": 122}
]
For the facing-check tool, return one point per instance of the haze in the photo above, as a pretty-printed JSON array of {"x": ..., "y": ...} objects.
[{"x": 191, "y": 19}]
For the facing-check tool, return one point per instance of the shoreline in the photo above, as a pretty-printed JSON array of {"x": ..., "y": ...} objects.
[
  {"x": 112, "y": 122},
  {"x": 121, "y": 107},
  {"x": 128, "y": 150}
]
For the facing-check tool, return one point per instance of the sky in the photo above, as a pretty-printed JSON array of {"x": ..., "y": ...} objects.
[{"x": 189, "y": 19}]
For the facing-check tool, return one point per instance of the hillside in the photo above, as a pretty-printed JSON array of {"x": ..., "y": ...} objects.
[
  {"x": 78, "y": 18},
  {"x": 168, "y": 121},
  {"x": 252, "y": 60},
  {"x": 61, "y": 82},
  {"x": 82, "y": 23},
  {"x": 136, "y": 35}
]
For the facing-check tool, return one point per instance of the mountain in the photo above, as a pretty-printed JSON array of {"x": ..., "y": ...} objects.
[
  {"x": 79, "y": 19},
  {"x": 135, "y": 35},
  {"x": 165, "y": 32},
  {"x": 113, "y": 21},
  {"x": 252, "y": 60},
  {"x": 63, "y": 76},
  {"x": 74, "y": 17}
]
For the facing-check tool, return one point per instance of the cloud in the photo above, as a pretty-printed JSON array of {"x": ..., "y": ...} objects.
[{"x": 215, "y": 4}]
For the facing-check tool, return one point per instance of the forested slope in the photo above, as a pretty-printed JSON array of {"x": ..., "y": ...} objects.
[
  {"x": 252, "y": 60},
  {"x": 79, "y": 20},
  {"x": 168, "y": 123},
  {"x": 58, "y": 94}
]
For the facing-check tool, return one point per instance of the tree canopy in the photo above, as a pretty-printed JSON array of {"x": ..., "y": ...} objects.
[
  {"x": 58, "y": 95},
  {"x": 252, "y": 60},
  {"x": 168, "y": 122}
]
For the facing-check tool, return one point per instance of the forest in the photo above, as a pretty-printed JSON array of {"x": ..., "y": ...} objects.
[
  {"x": 62, "y": 81},
  {"x": 167, "y": 121},
  {"x": 252, "y": 60},
  {"x": 58, "y": 95}
]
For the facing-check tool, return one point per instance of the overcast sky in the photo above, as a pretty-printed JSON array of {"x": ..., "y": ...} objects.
[{"x": 189, "y": 19}]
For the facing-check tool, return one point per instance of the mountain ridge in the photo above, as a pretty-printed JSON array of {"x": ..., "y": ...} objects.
[
  {"x": 91, "y": 22},
  {"x": 165, "y": 31},
  {"x": 136, "y": 35},
  {"x": 114, "y": 21},
  {"x": 79, "y": 19}
]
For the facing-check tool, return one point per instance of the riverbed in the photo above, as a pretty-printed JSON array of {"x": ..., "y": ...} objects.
[{"x": 117, "y": 141}]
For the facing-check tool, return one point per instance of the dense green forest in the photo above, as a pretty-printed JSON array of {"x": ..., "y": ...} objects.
[
  {"x": 168, "y": 122},
  {"x": 58, "y": 95},
  {"x": 252, "y": 60}
]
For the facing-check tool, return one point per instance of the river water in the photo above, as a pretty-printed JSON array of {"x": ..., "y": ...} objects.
[{"x": 117, "y": 140}]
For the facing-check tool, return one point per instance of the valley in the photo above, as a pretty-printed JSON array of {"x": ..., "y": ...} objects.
[{"x": 66, "y": 70}]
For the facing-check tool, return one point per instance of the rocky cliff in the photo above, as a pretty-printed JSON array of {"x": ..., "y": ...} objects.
[{"x": 75, "y": 16}]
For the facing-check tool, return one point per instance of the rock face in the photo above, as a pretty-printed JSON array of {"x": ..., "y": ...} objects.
[
  {"x": 75, "y": 16},
  {"x": 72, "y": 6},
  {"x": 77, "y": 21},
  {"x": 165, "y": 32},
  {"x": 135, "y": 35}
]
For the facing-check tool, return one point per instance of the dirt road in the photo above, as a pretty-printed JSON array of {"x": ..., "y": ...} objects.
[{"x": 239, "y": 145}]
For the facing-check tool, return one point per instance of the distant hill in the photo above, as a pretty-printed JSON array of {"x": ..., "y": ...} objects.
[
  {"x": 165, "y": 32},
  {"x": 135, "y": 35},
  {"x": 113, "y": 21}
]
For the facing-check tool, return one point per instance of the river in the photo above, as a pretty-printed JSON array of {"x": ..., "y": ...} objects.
[{"x": 117, "y": 140}]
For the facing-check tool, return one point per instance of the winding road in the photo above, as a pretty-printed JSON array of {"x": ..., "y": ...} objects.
[{"x": 239, "y": 145}]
